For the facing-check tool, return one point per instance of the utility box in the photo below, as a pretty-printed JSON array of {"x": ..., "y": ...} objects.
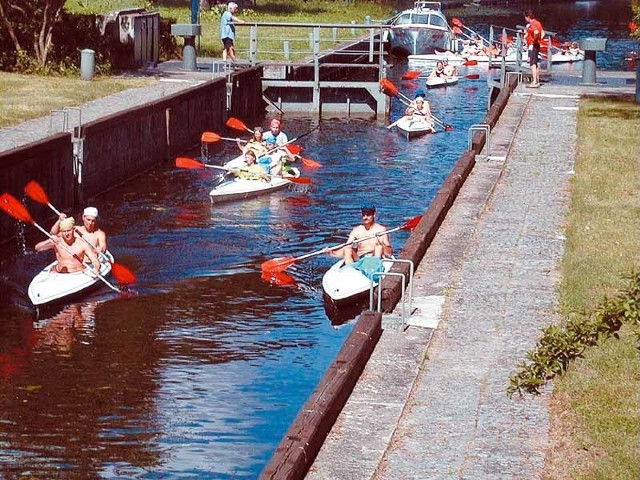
[{"x": 134, "y": 35}]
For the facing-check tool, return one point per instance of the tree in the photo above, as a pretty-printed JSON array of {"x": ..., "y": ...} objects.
[{"x": 30, "y": 25}]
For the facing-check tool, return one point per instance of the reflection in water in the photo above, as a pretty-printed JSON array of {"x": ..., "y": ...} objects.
[{"x": 200, "y": 374}]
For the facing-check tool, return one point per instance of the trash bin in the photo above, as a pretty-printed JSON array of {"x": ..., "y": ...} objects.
[{"x": 87, "y": 64}]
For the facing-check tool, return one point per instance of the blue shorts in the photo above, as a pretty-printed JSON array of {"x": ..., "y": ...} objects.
[{"x": 533, "y": 54}]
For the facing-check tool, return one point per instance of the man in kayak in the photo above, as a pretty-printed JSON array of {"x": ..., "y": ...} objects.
[
  {"x": 449, "y": 70},
  {"x": 275, "y": 133},
  {"x": 89, "y": 230},
  {"x": 70, "y": 250},
  {"x": 379, "y": 245}
]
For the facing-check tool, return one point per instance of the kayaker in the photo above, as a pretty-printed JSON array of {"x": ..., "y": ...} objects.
[
  {"x": 252, "y": 171},
  {"x": 379, "y": 246},
  {"x": 89, "y": 229},
  {"x": 449, "y": 70},
  {"x": 438, "y": 71},
  {"x": 69, "y": 249},
  {"x": 275, "y": 132},
  {"x": 256, "y": 144},
  {"x": 418, "y": 111}
]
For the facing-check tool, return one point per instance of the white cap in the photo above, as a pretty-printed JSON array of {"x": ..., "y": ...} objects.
[{"x": 90, "y": 212}]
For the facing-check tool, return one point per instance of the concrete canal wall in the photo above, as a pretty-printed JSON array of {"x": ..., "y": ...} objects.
[
  {"x": 110, "y": 150},
  {"x": 298, "y": 449}
]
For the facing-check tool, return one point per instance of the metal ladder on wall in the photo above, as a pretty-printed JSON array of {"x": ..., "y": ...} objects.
[
  {"x": 62, "y": 116},
  {"x": 406, "y": 299}
]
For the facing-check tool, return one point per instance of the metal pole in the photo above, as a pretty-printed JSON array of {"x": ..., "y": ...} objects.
[
  {"x": 287, "y": 50},
  {"x": 316, "y": 69},
  {"x": 253, "y": 44},
  {"x": 371, "y": 47}
]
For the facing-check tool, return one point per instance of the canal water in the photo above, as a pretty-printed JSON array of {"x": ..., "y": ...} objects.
[{"x": 201, "y": 369}]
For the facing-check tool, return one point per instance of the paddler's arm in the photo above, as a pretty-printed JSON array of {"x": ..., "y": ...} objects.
[
  {"x": 44, "y": 245},
  {"x": 90, "y": 252},
  {"x": 55, "y": 229}
]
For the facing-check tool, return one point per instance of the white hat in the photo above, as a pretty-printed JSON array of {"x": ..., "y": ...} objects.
[
  {"x": 419, "y": 99},
  {"x": 90, "y": 212}
]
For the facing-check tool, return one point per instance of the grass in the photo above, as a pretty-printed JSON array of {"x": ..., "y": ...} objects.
[
  {"x": 270, "y": 39},
  {"x": 596, "y": 407},
  {"x": 24, "y": 97}
]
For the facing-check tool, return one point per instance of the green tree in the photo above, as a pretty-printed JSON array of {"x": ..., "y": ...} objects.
[{"x": 30, "y": 25}]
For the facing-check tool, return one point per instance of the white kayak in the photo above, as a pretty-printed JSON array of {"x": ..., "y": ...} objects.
[
  {"x": 567, "y": 57},
  {"x": 442, "y": 81},
  {"x": 49, "y": 286},
  {"x": 234, "y": 188},
  {"x": 411, "y": 128},
  {"x": 344, "y": 284}
]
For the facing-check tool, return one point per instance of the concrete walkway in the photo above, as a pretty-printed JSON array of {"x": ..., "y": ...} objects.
[{"x": 431, "y": 403}]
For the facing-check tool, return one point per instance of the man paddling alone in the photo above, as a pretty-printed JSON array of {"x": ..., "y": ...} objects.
[
  {"x": 70, "y": 250},
  {"x": 379, "y": 246}
]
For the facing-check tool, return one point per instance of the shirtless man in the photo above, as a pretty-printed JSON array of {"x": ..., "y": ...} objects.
[
  {"x": 70, "y": 250},
  {"x": 89, "y": 229},
  {"x": 379, "y": 246}
]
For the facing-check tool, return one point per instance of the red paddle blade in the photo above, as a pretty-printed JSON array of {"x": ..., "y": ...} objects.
[
  {"x": 472, "y": 76},
  {"x": 411, "y": 224},
  {"x": 389, "y": 88},
  {"x": 308, "y": 162},
  {"x": 470, "y": 63},
  {"x": 186, "y": 162},
  {"x": 411, "y": 75},
  {"x": 457, "y": 22},
  {"x": 237, "y": 124},
  {"x": 35, "y": 192},
  {"x": 279, "y": 264},
  {"x": 294, "y": 149},
  {"x": 301, "y": 180},
  {"x": 12, "y": 206},
  {"x": 281, "y": 279},
  {"x": 122, "y": 274},
  {"x": 448, "y": 128},
  {"x": 210, "y": 137},
  {"x": 456, "y": 30}
]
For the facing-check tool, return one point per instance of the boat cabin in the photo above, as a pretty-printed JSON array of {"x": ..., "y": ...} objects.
[{"x": 422, "y": 13}]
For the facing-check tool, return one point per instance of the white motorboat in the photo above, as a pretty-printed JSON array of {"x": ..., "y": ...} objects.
[
  {"x": 419, "y": 30},
  {"x": 567, "y": 57},
  {"x": 344, "y": 284},
  {"x": 441, "y": 81},
  {"x": 49, "y": 286},
  {"x": 411, "y": 127}
]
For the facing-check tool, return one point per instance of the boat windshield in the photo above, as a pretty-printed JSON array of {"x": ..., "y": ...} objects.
[
  {"x": 403, "y": 19},
  {"x": 438, "y": 21}
]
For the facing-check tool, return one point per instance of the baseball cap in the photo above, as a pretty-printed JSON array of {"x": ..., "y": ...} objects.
[{"x": 368, "y": 208}]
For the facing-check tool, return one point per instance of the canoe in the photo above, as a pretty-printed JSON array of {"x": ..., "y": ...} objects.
[
  {"x": 49, "y": 287},
  {"x": 343, "y": 284},
  {"x": 442, "y": 81},
  {"x": 414, "y": 128},
  {"x": 234, "y": 188}
]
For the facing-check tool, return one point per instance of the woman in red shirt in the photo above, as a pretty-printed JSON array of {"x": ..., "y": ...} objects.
[{"x": 534, "y": 35}]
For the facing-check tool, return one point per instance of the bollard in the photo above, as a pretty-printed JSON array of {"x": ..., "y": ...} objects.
[
  {"x": 87, "y": 64},
  {"x": 590, "y": 47}
]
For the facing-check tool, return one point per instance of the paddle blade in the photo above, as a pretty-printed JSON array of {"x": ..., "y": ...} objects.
[
  {"x": 36, "y": 193},
  {"x": 411, "y": 224},
  {"x": 300, "y": 180},
  {"x": 411, "y": 75},
  {"x": 294, "y": 149},
  {"x": 472, "y": 76},
  {"x": 279, "y": 264},
  {"x": 122, "y": 274},
  {"x": 190, "y": 163},
  {"x": 470, "y": 63},
  {"x": 12, "y": 206},
  {"x": 308, "y": 162},
  {"x": 210, "y": 137},
  {"x": 389, "y": 88},
  {"x": 448, "y": 128},
  {"x": 237, "y": 124},
  {"x": 281, "y": 279},
  {"x": 456, "y": 30},
  {"x": 456, "y": 22}
]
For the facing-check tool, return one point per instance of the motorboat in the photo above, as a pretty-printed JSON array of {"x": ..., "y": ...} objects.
[{"x": 419, "y": 30}]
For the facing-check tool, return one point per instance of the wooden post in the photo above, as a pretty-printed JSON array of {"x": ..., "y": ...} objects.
[{"x": 253, "y": 44}]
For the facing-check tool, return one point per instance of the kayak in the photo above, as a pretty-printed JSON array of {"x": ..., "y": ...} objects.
[
  {"x": 234, "y": 188},
  {"x": 49, "y": 287},
  {"x": 566, "y": 57},
  {"x": 344, "y": 284},
  {"x": 442, "y": 81},
  {"x": 414, "y": 128}
]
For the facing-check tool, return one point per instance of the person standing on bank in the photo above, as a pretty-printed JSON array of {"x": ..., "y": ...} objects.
[
  {"x": 534, "y": 35},
  {"x": 379, "y": 246},
  {"x": 228, "y": 31}
]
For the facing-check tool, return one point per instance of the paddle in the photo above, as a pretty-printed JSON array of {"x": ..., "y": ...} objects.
[
  {"x": 17, "y": 210},
  {"x": 282, "y": 263},
  {"x": 411, "y": 75},
  {"x": 193, "y": 164},
  {"x": 307, "y": 162},
  {"x": 211, "y": 137},
  {"x": 470, "y": 76},
  {"x": 121, "y": 273},
  {"x": 458, "y": 23},
  {"x": 390, "y": 89},
  {"x": 237, "y": 124}
]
